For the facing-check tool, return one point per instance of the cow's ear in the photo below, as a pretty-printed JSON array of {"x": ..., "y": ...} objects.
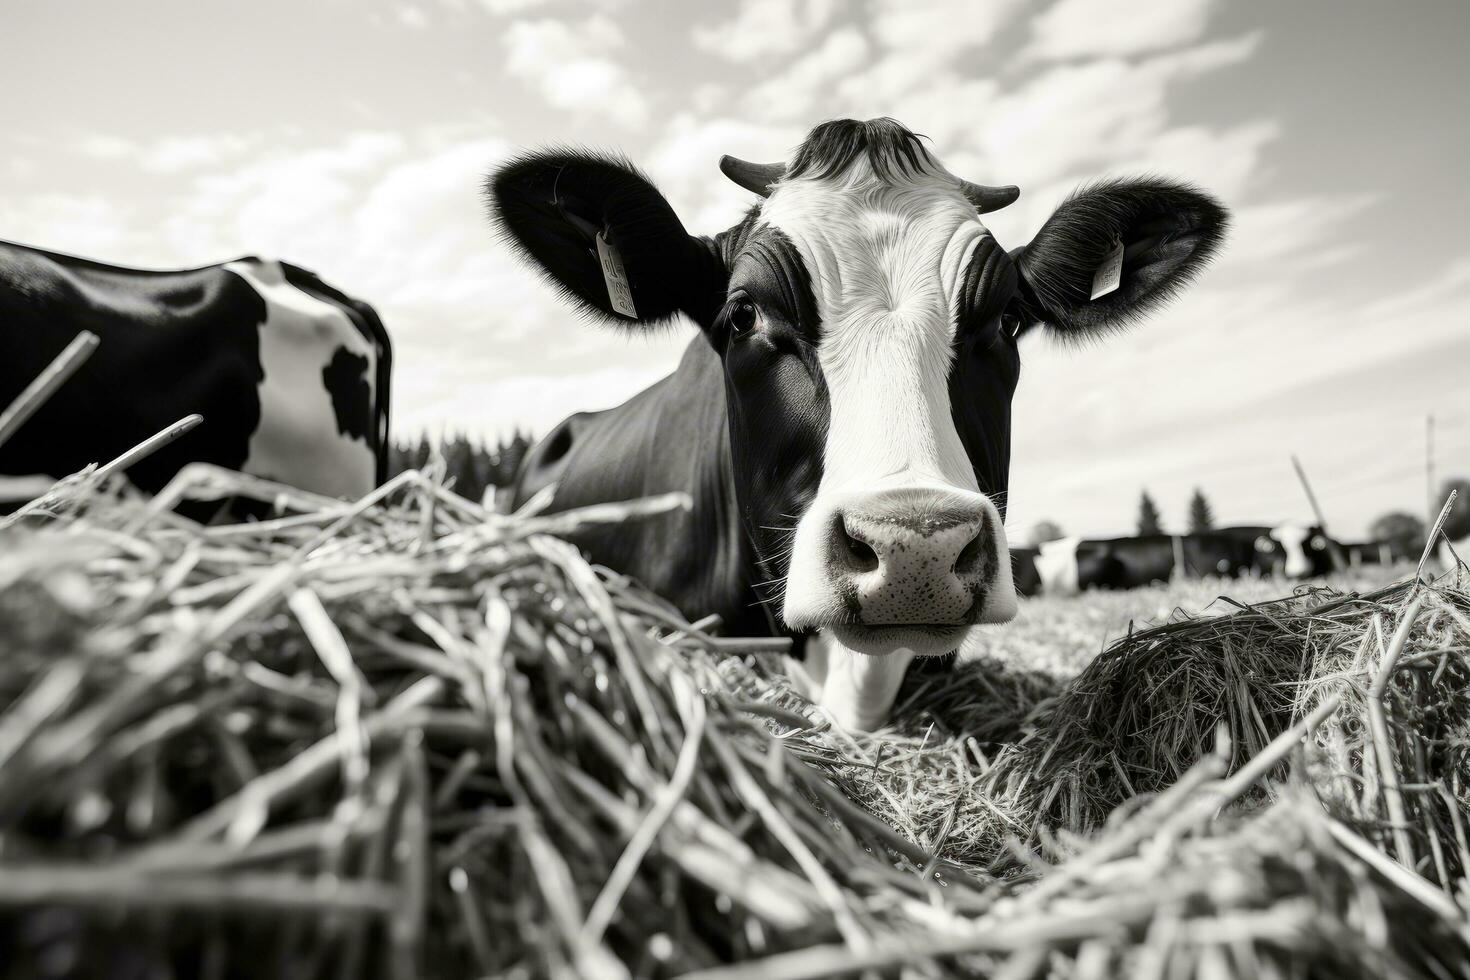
[
  {"x": 1114, "y": 251},
  {"x": 602, "y": 232}
]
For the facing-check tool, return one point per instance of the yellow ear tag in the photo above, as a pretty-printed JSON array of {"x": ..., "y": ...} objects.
[
  {"x": 619, "y": 294},
  {"x": 1110, "y": 273}
]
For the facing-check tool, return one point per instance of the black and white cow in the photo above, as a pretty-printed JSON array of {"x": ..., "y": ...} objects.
[
  {"x": 1292, "y": 549},
  {"x": 1358, "y": 553},
  {"x": 290, "y": 374},
  {"x": 843, "y": 419},
  {"x": 1024, "y": 574},
  {"x": 1070, "y": 565}
]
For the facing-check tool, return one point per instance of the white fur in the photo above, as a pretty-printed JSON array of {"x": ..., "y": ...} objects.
[
  {"x": 1292, "y": 537},
  {"x": 856, "y": 689},
  {"x": 886, "y": 260},
  {"x": 297, "y": 441},
  {"x": 1056, "y": 565}
]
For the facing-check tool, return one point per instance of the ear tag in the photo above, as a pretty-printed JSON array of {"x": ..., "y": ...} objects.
[
  {"x": 1110, "y": 273},
  {"x": 619, "y": 293}
]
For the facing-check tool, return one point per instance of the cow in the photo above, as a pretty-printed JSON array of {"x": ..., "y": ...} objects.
[
  {"x": 1290, "y": 549},
  {"x": 290, "y": 374},
  {"x": 1024, "y": 574},
  {"x": 1358, "y": 553},
  {"x": 842, "y": 420},
  {"x": 1070, "y": 565}
]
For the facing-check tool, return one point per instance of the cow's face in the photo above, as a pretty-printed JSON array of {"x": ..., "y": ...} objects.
[
  {"x": 869, "y": 379},
  {"x": 867, "y": 322},
  {"x": 1295, "y": 550}
]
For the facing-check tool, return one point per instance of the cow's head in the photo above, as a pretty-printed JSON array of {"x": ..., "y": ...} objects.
[
  {"x": 1295, "y": 550},
  {"x": 867, "y": 321}
]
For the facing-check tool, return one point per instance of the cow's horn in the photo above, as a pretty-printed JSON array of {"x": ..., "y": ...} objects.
[
  {"x": 754, "y": 177},
  {"x": 987, "y": 198}
]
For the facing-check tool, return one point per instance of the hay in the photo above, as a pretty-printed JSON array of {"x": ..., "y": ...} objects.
[{"x": 409, "y": 737}]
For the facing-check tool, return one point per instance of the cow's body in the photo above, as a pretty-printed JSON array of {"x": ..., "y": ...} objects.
[
  {"x": 673, "y": 436},
  {"x": 842, "y": 423},
  {"x": 1071, "y": 565},
  {"x": 290, "y": 374},
  {"x": 1358, "y": 553},
  {"x": 1024, "y": 572},
  {"x": 1292, "y": 550}
]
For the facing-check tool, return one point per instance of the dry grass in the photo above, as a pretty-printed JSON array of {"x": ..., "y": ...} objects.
[{"x": 412, "y": 738}]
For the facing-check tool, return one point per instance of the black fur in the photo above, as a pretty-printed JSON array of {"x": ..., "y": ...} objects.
[
  {"x": 1169, "y": 231},
  {"x": 551, "y": 205},
  {"x": 889, "y": 147},
  {"x": 171, "y": 343}
]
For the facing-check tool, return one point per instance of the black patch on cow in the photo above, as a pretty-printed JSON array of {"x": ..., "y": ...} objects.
[
  {"x": 779, "y": 409},
  {"x": 345, "y": 378},
  {"x": 986, "y": 368},
  {"x": 156, "y": 362},
  {"x": 890, "y": 148},
  {"x": 370, "y": 326},
  {"x": 172, "y": 343},
  {"x": 558, "y": 444}
]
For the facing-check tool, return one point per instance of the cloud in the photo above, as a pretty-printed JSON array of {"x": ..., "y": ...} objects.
[
  {"x": 918, "y": 42},
  {"x": 169, "y": 154},
  {"x": 793, "y": 93},
  {"x": 499, "y": 7},
  {"x": 570, "y": 66},
  {"x": 1088, "y": 28},
  {"x": 1272, "y": 232},
  {"x": 411, "y": 17},
  {"x": 1075, "y": 117},
  {"x": 685, "y": 165},
  {"x": 939, "y": 29},
  {"x": 82, "y": 224},
  {"x": 762, "y": 28},
  {"x": 492, "y": 402}
]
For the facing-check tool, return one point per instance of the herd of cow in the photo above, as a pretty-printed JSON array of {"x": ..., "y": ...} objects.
[
  {"x": 1069, "y": 565},
  {"x": 841, "y": 420}
]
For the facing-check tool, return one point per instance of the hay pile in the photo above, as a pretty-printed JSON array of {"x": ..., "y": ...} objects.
[{"x": 409, "y": 737}]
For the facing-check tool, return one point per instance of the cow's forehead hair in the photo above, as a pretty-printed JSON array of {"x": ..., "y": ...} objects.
[
  {"x": 887, "y": 249},
  {"x": 885, "y": 257}
]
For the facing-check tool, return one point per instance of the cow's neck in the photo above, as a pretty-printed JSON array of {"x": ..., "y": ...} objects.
[{"x": 673, "y": 436}]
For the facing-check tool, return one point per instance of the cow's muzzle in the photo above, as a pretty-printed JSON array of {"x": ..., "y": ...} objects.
[{"x": 909, "y": 568}]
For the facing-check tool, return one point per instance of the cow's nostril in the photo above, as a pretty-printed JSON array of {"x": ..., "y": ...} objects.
[
  {"x": 970, "y": 557},
  {"x": 858, "y": 553}
]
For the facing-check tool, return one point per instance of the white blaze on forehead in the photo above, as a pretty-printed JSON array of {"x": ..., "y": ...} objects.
[
  {"x": 885, "y": 260},
  {"x": 298, "y": 440}
]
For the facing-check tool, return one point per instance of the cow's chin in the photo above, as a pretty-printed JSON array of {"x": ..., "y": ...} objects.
[{"x": 920, "y": 640}]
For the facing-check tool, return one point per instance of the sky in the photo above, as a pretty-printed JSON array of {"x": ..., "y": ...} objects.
[{"x": 352, "y": 137}]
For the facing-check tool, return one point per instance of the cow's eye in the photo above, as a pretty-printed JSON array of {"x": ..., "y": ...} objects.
[
  {"x": 742, "y": 317},
  {"x": 1318, "y": 542}
]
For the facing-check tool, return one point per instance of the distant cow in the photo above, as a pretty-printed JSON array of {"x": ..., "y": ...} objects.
[
  {"x": 290, "y": 374},
  {"x": 1070, "y": 565},
  {"x": 842, "y": 420},
  {"x": 1367, "y": 553},
  {"x": 1293, "y": 550},
  {"x": 1024, "y": 572}
]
